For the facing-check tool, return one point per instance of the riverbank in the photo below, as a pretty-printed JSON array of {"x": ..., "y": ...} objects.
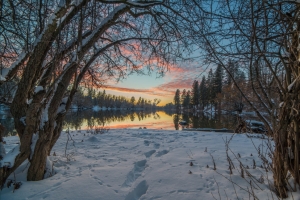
[{"x": 148, "y": 164}]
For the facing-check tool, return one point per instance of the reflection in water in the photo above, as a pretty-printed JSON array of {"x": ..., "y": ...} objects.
[
  {"x": 176, "y": 121},
  {"x": 151, "y": 120},
  {"x": 87, "y": 119},
  {"x": 203, "y": 120}
]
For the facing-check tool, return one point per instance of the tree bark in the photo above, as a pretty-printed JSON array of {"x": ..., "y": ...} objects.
[{"x": 279, "y": 164}]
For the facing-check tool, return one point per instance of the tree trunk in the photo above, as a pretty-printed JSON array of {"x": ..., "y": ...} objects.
[
  {"x": 279, "y": 164},
  {"x": 41, "y": 151}
]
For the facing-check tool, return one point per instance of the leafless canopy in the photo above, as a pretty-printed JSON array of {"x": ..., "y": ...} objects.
[
  {"x": 263, "y": 38},
  {"x": 48, "y": 48}
]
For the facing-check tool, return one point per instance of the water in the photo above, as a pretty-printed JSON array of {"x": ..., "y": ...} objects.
[{"x": 167, "y": 120}]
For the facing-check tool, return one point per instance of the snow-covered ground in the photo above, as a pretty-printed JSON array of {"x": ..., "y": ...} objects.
[{"x": 128, "y": 164}]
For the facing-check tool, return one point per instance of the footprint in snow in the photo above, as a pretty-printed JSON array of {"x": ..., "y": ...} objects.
[
  {"x": 146, "y": 142},
  {"x": 136, "y": 172},
  {"x": 156, "y": 145},
  {"x": 138, "y": 191},
  {"x": 149, "y": 153},
  {"x": 161, "y": 153}
]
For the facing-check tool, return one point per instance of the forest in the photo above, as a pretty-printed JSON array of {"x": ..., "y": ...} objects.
[
  {"x": 216, "y": 91},
  {"x": 89, "y": 98}
]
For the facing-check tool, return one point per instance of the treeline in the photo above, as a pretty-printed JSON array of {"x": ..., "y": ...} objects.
[
  {"x": 87, "y": 98},
  {"x": 216, "y": 91}
]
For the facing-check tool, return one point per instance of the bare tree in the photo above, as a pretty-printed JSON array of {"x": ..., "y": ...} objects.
[
  {"x": 51, "y": 48},
  {"x": 262, "y": 37}
]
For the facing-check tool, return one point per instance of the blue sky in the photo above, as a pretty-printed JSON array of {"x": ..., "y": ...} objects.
[{"x": 151, "y": 87}]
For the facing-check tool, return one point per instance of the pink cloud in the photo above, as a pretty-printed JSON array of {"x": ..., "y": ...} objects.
[{"x": 179, "y": 78}]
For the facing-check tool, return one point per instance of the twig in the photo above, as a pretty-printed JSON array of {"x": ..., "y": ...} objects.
[
  {"x": 69, "y": 136},
  {"x": 213, "y": 196},
  {"x": 246, "y": 171},
  {"x": 232, "y": 182},
  {"x": 213, "y": 161},
  {"x": 251, "y": 186},
  {"x": 226, "y": 194},
  {"x": 218, "y": 187},
  {"x": 190, "y": 155}
]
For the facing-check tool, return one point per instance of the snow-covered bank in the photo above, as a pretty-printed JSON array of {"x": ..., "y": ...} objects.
[{"x": 147, "y": 164}]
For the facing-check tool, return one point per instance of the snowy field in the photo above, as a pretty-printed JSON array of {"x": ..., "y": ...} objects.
[{"x": 127, "y": 164}]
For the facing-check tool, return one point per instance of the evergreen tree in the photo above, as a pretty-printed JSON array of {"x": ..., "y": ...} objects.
[
  {"x": 132, "y": 100},
  {"x": 218, "y": 80},
  {"x": 233, "y": 70},
  {"x": 139, "y": 101},
  {"x": 203, "y": 92},
  {"x": 195, "y": 93},
  {"x": 183, "y": 96},
  {"x": 142, "y": 102},
  {"x": 177, "y": 99},
  {"x": 187, "y": 99},
  {"x": 210, "y": 86}
]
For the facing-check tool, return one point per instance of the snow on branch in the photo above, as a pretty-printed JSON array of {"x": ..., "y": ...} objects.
[
  {"x": 292, "y": 84},
  {"x": 4, "y": 73},
  {"x": 104, "y": 22}
]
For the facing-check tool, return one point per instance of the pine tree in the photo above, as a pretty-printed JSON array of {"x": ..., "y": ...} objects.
[
  {"x": 177, "y": 99},
  {"x": 143, "y": 102},
  {"x": 217, "y": 87},
  {"x": 203, "y": 92},
  {"x": 210, "y": 87},
  {"x": 218, "y": 80},
  {"x": 233, "y": 70},
  {"x": 183, "y": 96},
  {"x": 187, "y": 99},
  {"x": 195, "y": 93},
  {"x": 139, "y": 101},
  {"x": 132, "y": 100}
]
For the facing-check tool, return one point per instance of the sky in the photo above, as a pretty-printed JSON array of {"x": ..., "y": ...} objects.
[{"x": 152, "y": 87}]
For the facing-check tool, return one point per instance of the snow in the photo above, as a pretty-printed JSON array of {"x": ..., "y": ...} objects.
[
  {"x": 34, "y": 139},
  {"x": 23, "y": 120},
  {"x": 65, "y": 100},
  {"x": 281, "y": 104},
  {"x": 290, "y": 87},
  {"x": 251, "y": 121},
  {"x": 148, "y": 164},
  {"x": 103, "y": 23},
  {"x": 62, "y": 107},
  {"x": 38, "y": 88},
  {"x": 62, "y": 3},
  {"x": 2, "y": 150},
  {"x": 2, "y": 78},
  {"x": 9, "y": 158},
  {"x": 5, "y": 71},
  {"x": 29, "y": 101}
]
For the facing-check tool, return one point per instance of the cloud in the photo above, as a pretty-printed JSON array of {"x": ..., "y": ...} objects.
[
  {"x": 181, "y": 77},
  {"x": 177, "y": 78},
  {"x": 173, "y": 85},
  {"x": 151, "y": 91}
]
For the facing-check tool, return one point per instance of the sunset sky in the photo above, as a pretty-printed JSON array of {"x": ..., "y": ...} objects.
[{"x": 150, "y": 87}]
